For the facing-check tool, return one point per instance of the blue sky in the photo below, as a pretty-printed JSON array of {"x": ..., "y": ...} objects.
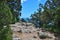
[{"x": 29, "y": 6}]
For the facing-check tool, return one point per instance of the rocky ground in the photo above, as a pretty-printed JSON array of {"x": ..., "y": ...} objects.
[{"x": 27, "y": 31}]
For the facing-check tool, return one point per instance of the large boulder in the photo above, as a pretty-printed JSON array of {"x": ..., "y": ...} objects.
[{"x": 44, "y": 35}]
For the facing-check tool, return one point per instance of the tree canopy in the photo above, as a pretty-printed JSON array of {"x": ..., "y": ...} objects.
[{"x": 48, "y": 15}]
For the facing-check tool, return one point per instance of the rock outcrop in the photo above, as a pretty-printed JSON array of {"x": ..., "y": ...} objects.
[{"x": 27, "y": 31}]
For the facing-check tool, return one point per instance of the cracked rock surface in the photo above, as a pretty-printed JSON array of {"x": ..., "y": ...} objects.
[{"x": 27, "y": 31}]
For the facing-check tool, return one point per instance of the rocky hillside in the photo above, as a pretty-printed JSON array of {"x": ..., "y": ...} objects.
[{"x": 27, "y": 31}]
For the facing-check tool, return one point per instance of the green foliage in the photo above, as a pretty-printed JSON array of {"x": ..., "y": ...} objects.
[
  {"x": 36, "y": 17},
  {"x": 15, "y": 9},
  {"x": 6, "y": 33},
  {"x": 23, "y": 20},
  {"x": 8, "y": 15},
  {"x": 57, "y": 22},
  {"x": 50, "y": 16},
  {"x": 5, "y": 19},
  {"x": 5, "y": 14},
  {"x": 58, "y": 13}
]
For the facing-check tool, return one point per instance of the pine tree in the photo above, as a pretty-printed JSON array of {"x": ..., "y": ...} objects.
[
  {"x": 50, "y": 16},
  {"x": 36, "y": 17},
  {"x": 15, "y": 6},
  {"x": 53, "y": 6},
  {"x": 5, "y": 20}
]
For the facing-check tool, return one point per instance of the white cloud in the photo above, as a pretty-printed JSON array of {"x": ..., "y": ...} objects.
[{"x": 22, "y": 1}]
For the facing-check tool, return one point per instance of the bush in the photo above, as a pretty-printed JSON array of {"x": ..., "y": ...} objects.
[{"x": 6, "y": 33}]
